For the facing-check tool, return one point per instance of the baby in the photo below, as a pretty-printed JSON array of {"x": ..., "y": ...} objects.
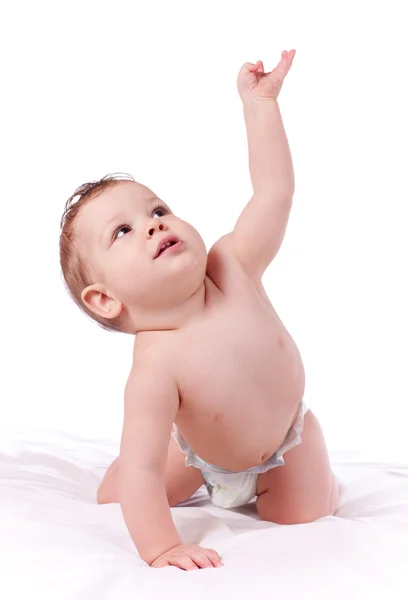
[{"x": 214, "y": 393}]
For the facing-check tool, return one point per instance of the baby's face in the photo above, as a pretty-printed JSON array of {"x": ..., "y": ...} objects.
[{"x": 118, "y": 233}]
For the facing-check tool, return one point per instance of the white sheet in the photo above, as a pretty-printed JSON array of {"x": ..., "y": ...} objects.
[{"x": 57, "y": 543}]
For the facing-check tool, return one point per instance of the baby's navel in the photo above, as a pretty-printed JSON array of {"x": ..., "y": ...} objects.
[
  {"x": 281, "y": 342},
  {"x": 218, "y": 416}
]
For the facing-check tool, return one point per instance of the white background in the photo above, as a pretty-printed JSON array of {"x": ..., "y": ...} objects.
[{"x": 149, "y": 88}]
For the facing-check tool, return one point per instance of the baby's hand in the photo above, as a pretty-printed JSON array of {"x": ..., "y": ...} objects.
[
  {"x": 188, "y": 558},
  {"x": 254, "y": 84}
]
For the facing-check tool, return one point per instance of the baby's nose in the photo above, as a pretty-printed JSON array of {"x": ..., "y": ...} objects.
[{"x": 161, "y": 228}]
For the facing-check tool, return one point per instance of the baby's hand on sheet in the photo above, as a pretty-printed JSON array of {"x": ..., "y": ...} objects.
[{"x": 188, "y": 558}]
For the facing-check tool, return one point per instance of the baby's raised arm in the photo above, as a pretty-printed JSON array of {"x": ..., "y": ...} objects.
[{"x": 151, "y": 404}]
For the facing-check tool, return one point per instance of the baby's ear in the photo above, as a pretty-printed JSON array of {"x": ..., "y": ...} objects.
[{"x": 98, "y": 300}]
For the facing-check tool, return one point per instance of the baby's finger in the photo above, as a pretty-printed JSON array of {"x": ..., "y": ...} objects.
[
  {"x": 214, "y": 557},
  {"x": 202, "y": 560},
  {"x": 160, "y": 563},
  {"x": 184, "y": 562},
  {"x": 250, "y": 66},
  {"x": 288, "y": 57}
]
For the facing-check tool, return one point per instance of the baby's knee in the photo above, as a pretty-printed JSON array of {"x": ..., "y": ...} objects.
[
  {"x": 285, "y": 517},
  {"x": 334, "y": 497},
  {"x": 108, "y": 488}
]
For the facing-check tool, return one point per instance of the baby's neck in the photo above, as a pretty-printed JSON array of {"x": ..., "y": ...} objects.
[{"x": 180, "y": 317}]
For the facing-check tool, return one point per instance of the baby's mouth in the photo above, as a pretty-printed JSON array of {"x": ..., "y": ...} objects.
[
  {"x": 166, "y": 242},
  {"x": 164, "y": 248}
]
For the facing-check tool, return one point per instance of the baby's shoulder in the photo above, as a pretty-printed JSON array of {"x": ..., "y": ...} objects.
[
  {"x": 151, "y": 384},
  {"x": 150, "y": 371},
  {"x": 155, "y": 350}
]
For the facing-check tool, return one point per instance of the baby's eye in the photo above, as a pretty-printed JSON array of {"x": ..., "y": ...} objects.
[
  {"x": 161, "y": 208},
  {"x": 119, "y": 229}
]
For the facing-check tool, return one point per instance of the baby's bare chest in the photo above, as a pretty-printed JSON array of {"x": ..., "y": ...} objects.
[
  {"x": 240, "y": 358},
  {"x": 240, "y": 378}
]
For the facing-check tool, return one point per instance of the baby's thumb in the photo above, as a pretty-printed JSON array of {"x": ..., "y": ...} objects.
[{"x": 254, "y": 67}]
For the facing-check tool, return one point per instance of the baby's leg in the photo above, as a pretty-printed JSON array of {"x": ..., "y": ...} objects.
[
  {"x": 181, "y": 481},
  {"x": 304, "y": 488}
]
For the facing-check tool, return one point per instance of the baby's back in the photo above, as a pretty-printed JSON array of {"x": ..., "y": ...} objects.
[{"x": 239, "y": 374}]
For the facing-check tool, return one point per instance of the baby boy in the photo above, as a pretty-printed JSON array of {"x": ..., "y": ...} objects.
[{"x": 214, "y": 395}]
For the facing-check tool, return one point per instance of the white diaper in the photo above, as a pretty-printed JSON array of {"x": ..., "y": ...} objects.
[{"x": 229, "y": 489}]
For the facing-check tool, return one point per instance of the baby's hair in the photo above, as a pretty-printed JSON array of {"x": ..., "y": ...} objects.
[{"x": 75, "y": 271}]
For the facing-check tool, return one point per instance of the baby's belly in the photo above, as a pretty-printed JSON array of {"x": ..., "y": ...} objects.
[
  {"x": 240, "y": 388},
  {"x": 242, "y": 430}
]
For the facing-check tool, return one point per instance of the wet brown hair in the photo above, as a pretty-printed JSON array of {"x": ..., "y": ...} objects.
[{"x": 75, "y": 271}]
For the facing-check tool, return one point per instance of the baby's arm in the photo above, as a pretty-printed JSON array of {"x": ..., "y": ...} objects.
[
  {"x": 151, "y": 404},
  {"x": 260, "y": 228}
]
